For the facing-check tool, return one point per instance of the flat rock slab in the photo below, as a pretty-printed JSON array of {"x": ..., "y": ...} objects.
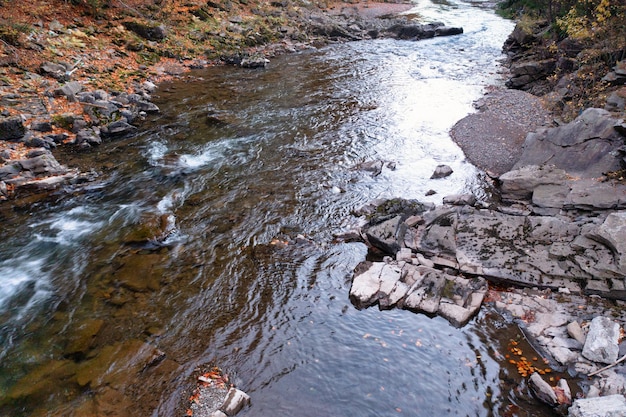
[
  {"x": 587, "y": 147},
  {"x": 609, "y": 406},
  {"x": 417, "y": 288},
  {"x": 582, "y": 253}
]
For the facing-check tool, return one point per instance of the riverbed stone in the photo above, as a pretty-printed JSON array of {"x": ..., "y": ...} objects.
[
  {"x": 235, "y": 401},
  {"x": 441, "y": 171},
  {"x": 543, "y": 390},
  {"x": 609, "y": 406},
  {"x": 601, "y": 344},
  {"x": 83, "y": 337}
]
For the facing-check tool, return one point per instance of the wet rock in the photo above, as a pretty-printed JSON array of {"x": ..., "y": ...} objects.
[
  {"x": 83, "y": 337},
  {"x": 375, "y": 167},
  {"x": 43, "y": 165},
  {"x": 140, "y": 273},
  {"x": 601, "y": 344},
  {"x": 117, "y": 128},
  {"x": 146, "y": 106},
  {"x": 254, "y": 61},
  {"x": 11, "y": 128},
  {"x": 218, "y": 118},
  {"x": 88, "y": 136},
  {"x": 39, "y": 382},
  {"x": 543, "y": 390},
  {"x": 441, "y": 171},
  {"x": 104, "y": 367},
  {"x": 609, "y": 406},
  {"x": 235, "y": 401}
]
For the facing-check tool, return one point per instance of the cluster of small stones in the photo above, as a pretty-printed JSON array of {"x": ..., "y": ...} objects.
[{"x": 106, "y": 117}]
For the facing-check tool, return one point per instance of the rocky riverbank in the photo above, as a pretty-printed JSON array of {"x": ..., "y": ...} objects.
[
  {"x": 88, "y": 84},
  {"x": 554, "y": 237}
]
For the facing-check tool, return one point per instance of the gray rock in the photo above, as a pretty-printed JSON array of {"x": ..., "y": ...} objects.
[
  {"x": 520, "y": 183},
  {"x": 41, "y": 126},
  {"x": 69, "y": 90},
  {"x": 576, "y": 332},
  {"x": 58, "y": 71},
  {"x": 609, "y": 406},
  {"x": 589, "y": 194},
  {"x": 601, "y": 344},
  {"x": 585, "y": 147},
  {"x": 148, "y": 107},
  {"x": 10, "y": 171},
  {"x": 612, "y": 233},
  {"x": 11, "y": 128},
  {"x": 118, "y": 128},
  {"x": 43, "y": 165},
  {"x": 375, "y": 167},
  {"x": 387, "y": 235},
  {"x": 88, "y": 136},
  {"x": 616, "y": 102},
  {"x": 543, "y": 390},
  {"x": 441, "y": 171},
  {"x": 460, "y": 200},
  {"x": 235, "y": 401},
  {"x": 366, "y": 284}
]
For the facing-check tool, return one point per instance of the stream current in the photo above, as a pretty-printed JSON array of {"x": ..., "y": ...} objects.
[{"x": 245, "y": 272}]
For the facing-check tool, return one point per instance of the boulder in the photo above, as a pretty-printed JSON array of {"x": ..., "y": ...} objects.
[
  {"x": 601, "y": 344},
  {"x": 11, "y": 128},
  {"x": 588, "y": 147}
]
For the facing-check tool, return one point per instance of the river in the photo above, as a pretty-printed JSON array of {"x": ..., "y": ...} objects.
[{"x": 214, "y": 243}]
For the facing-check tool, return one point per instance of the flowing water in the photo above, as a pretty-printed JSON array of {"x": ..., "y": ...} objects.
[{"x": 213, "y": 243}]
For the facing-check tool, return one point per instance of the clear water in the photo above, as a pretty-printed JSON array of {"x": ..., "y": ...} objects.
[{"x": 217, "y": 284}]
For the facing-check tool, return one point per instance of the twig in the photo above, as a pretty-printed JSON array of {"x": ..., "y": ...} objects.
[{"x": 608, "y": 366}]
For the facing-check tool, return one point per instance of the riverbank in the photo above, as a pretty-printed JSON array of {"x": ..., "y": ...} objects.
[
  {"x": 74, "y": 76},
  {"x": 550, "y": 246}
]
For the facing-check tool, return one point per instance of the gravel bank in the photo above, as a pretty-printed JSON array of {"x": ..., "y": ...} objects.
[{"x": 492, "y": 139}]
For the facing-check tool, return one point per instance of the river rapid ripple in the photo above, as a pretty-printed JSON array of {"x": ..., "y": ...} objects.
[{"x": 244, "y": 271}]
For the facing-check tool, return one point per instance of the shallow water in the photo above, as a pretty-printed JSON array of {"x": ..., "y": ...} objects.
[{"x": 214, "y": 244}]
